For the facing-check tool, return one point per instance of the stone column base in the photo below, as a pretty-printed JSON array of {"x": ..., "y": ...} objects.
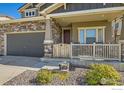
[
  {"x": 48, "y": 50},
  {"x": 122, "y": 49}
]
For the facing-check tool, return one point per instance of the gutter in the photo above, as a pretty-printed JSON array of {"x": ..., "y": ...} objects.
[{"x": 87, "y": 12}]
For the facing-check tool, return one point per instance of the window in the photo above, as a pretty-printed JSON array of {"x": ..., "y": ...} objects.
[
  {"x": 91, "y": 35},
  {"x": 26, "y": 13},
  {"x": 33, "y": 13},
  {"x": 100, "y": 35},
  {"x": 81, "y": 36},
  {"x": 30, "y": 13}
]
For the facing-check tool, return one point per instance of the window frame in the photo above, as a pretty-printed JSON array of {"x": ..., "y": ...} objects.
[
  {"x": 84, "y": 28},
  {"x": 30, "y": 11}
]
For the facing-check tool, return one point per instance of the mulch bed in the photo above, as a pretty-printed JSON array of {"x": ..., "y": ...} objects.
[{"x": 28, "y": 78}]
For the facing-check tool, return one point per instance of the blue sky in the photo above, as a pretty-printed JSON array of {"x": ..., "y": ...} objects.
[{"x": 10, "y": 9}]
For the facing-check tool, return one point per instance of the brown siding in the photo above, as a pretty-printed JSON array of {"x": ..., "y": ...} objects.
[
  {"x": 108, "y": 33},
  {"x": 74, "y": 34},
  {"x": 85, "y": 6},
  {"x": 32, "y": 6}
]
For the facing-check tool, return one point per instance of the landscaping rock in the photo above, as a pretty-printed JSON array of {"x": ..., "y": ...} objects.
[
  {"x": 29, "y": 76},
  {"x": 25, "y": 78}
]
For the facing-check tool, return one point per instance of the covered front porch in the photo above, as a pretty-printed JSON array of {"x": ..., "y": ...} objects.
[
  {"x": 93, "y": 34},
  {"x": 89, "y": 26}
]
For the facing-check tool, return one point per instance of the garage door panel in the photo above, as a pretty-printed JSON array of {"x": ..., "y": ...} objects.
[{"x": 28, "y": 44}]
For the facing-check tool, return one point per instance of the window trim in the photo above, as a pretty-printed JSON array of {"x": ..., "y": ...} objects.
[
  {"x": 98, "y": 27},
  {"x": 30, "y": 10}
]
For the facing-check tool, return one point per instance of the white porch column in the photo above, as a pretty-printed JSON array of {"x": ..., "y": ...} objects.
[
  {"x": 48, "y": 42},
  {"x": 48, "y": 33}
]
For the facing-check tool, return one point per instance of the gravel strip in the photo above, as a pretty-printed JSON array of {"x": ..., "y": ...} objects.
[
  {"x": 25, "y": 78},
  {"x": 28, "y": 78},
  {"x": 74, "y": 79},
  {"x": 122, "y": 74}
]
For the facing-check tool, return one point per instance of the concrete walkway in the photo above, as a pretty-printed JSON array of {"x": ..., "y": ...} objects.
[
  {"x": 9, "y": 72},
  {"x": 11, "y": 66}
]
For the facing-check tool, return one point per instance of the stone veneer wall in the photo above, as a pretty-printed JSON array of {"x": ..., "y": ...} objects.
[
  {"x": 122, "y": 51},
  {"x": 56, "y": 36},
  {"x": 56, "y": 32},
  {"x": 19, "y": 27}
]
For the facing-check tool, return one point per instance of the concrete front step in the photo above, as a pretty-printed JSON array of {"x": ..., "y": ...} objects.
[
  {"x": 55, "y": 59},
  {"x": 82, "y": 62}
]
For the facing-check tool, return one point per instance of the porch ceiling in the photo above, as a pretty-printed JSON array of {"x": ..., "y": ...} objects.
[{"x": 66, "y": 20}]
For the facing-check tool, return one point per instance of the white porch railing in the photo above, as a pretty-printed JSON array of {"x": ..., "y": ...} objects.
[
  {"x": 61, "y": 50},
  {"x": 96, "y": 51}
]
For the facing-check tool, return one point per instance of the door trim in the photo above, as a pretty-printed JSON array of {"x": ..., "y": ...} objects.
[{"x": 65, "y": 28}]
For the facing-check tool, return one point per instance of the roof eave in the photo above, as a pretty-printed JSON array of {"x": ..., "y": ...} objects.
[{"x": 23, "y": 7}]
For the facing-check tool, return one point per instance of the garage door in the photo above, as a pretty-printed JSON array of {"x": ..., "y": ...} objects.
[{"x": 25, "y": 44}]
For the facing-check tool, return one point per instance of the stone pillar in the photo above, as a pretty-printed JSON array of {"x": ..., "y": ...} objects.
[
  {"x": 48, "y": 42},
  {"x": 122, "y": 39},
  {"x": 122, "y": 52}
]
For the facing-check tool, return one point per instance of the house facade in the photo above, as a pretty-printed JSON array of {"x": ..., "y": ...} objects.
[{"x": 45, "y": 24}]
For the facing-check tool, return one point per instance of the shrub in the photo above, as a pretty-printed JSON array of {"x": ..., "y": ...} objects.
[
  {"x": 101, "y": 74},
  {"x": 61, "y": 75},
  {"x": 44, "y": 77}
]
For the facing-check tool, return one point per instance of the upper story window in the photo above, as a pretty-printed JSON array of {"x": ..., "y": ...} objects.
[
  {"x": 26, "y": 13},
  {"x": 30, "y": 12},
  {"x": 33, "y": 13}
]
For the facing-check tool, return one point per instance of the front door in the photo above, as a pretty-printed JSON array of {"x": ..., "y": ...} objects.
[{"x": 66, "y": 36}]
